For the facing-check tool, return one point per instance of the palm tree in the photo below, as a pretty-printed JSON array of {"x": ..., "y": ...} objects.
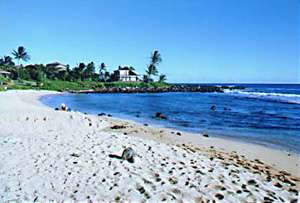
[
  {"x": 162, "y": 78},
  {"x": 21, "y": 54},
  {"x": 155, "y": 59},
  {"x": 7, "y": 60}
]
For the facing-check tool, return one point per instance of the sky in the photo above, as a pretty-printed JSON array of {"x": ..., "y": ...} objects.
[{"x": 209, "y": 41}]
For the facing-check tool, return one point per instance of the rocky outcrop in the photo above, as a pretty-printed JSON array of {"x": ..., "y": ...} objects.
[{"x": 171, "y": 88}]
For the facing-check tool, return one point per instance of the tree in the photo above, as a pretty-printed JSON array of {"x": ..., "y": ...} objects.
[
  {"x": 89, "y": 71},
  {"x": 78, "y": 71},
  {"x": 162, "y": 78},
  {"x": 155, "y": 59},
  {"x": 7, "y": 61},
  {"x": 21, "y": 54},
  {"x": 102, "y": 72}
]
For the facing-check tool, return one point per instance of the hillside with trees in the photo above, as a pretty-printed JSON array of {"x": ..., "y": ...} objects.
[{"x": 56, "y": 76}]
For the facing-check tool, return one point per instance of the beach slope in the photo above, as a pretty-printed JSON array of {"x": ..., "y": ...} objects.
[{"x": 49, "y": 155}]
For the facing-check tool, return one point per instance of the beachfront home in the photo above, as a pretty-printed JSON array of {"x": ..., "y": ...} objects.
[
  {"x": 56, "y": 67},
  {"x": 125, "y": 74},
  {"x": 4, "y": 73}
]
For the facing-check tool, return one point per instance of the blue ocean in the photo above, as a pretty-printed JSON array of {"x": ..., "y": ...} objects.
[{"x": 264, "y": 114}]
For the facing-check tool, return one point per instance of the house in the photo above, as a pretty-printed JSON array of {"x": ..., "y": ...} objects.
[
  {"x": 4, "y": 73},
  {"x": 56, "y": 67},
  {"x": 125, "y": 74}
]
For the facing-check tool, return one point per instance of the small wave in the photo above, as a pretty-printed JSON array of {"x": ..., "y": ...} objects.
[{"x": 282, "y": 97}]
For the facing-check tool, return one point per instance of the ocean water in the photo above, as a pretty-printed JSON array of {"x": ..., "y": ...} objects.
[{"x": 263, "y": 114}]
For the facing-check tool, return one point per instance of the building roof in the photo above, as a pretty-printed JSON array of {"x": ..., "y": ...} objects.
[
  {"x": 4, "y": 72},
  {"x": 57, "y": 66},
  {"x": 131, "y": 72}
]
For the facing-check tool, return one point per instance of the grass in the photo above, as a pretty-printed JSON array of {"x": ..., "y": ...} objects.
[{"x": 59, "y": 85}]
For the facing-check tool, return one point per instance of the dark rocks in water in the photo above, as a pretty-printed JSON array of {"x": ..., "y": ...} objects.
[
  {"x": 145, "y": 124},
  {"x": 205, "y": 135},
  {"x": 227, "y": 109},
  {"x": 213, "y": 108},
  {"x": 170, "y": 88},
  {"x": 159, "y": 115},
  {"x": 109, "y": 115},
  {"x": 178, "y": 133},
  {"x": 56, "y": 109},
  {"x": 137, "y": 116},
  {"x": 128, "y": 154},
  {"x": 101, "y": 114},
  {"x": 117, "y": 127}
]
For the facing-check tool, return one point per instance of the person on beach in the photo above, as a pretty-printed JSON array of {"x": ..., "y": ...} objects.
[{"x": 63, "y": 107}]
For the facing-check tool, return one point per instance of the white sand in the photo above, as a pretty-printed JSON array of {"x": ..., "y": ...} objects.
[{"x": 64, "y": 156}]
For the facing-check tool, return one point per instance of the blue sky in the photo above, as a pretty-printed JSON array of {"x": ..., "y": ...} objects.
[{"x": 200, "y": 40}]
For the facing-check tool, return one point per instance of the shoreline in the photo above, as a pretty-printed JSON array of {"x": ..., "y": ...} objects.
[
  {"x": 277, "y": 158},
  {"x": 32, "y": 129}
]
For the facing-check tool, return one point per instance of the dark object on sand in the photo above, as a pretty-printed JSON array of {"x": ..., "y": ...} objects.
[
  {"x": 74, "y": 155},
  {"x": 178, "y": 133},
  {"x": 101, "y": 114},
  {"x": 128, "y": 154},
  {"x": 56, "y": 109},
  {"x": 160, "y": 116},
  {"x": 213, "y": 108},
  {"x": 205, "y": 135},
  {"x": 117, "y": 127}
]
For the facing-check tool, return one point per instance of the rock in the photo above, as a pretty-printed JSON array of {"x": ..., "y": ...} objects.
[
  {"x": 219, "y": 196},
  {"x": 278, "y": 185},
  {"x": 128, "y": 154},
  {"x": 101, "y": 114},
  {"x": 56, "y": 109},
  {"x": 117, "y": 127},
  {"x": 159, "y": 115},
  {"x": 109, "y": 115},
  {"x": 251, "y": 182},
  {"x": 178, "y": 133},
  {"x": 213, "y": 108},
  {"x": 205, "y": 135},
  {"x": 74, "y": 155},
  {"x": 145, "y": 124}
]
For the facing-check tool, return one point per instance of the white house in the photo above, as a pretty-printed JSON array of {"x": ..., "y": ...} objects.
[
  {"x": 125, "y": 74},
  {"x": 56, "y": 66}
]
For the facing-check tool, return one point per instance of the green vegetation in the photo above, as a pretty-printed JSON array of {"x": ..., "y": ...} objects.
[{"x": 61, "y": 77}]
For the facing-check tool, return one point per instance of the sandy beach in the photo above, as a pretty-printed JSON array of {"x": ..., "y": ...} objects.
[{"x": 49, "y": 155}]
